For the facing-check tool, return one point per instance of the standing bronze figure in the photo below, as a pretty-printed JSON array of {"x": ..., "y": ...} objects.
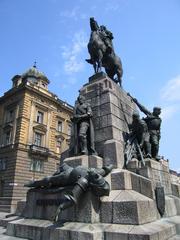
[
  {"x": 137, "y": 145},
  {"x": 102, "y": 52},
  {"x": 154, "y": 127},
  {"x": 83, "y": 129}
]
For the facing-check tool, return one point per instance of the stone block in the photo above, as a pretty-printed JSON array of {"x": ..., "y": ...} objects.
[
  {"x": 175, "y": 189},
  {"x": 118, "y": 231},
  {"x": 103, "y": 121},
  {"x": 42, "y": 205},
  {"x": 114, "y": 153},
  {"x": 153, "y": 164},
  {"x": 106, "y": 208},
  {"x": 127, "y": 207},
  {"x": 177, "y": 202},
  {"x": 118, "y": 134},
  {"x": 152, "y": 231},
  {"x": 78, "y": 231},
  {"x": 133, "y": 164},
  {"x": 86, "y": 211},
  {"x": 105, "y": 109},
  {"x": 77, "y": 160},
  {"x": 114, "y": 99},
  {"x": 115, "y": 121},
  {"x": 121, "y": 180},
  {"x": 103, "y": 134},
  {"x": 170, "y": 207},
  {"x": 84, "y": 160},
  {"x": 98, "y": 76},
  {"x": 142, "y": 185},
  {"x": 32, "y": 229}
]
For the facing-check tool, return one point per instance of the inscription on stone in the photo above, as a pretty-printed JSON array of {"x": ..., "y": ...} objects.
[{"x": 49, "y": 202}]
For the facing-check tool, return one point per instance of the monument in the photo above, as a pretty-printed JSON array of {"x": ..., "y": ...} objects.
[{"x": 113, "y": 185}]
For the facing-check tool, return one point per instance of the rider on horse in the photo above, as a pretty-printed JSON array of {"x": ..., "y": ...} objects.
[{"x": 105, "y": 35}]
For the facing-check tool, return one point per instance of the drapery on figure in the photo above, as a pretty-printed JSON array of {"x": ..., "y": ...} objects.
[
  {"x": 82, "y": 140},
  {"x": 80, "y": 179},
  {"x": 154, "y": 126},
  {"x": 137, "y": 144}
]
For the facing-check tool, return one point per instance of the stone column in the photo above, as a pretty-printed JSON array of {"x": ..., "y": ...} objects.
[{"x": 112, "y": 111}]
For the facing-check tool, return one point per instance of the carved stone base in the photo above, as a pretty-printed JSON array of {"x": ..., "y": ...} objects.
[{"x": 43, "y": 205}]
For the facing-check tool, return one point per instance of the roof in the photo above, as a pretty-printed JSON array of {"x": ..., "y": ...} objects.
[{"x": 34, "y": 72}]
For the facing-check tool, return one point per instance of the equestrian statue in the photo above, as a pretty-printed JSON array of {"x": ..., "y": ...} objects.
[{"x": 102, "y": 52}]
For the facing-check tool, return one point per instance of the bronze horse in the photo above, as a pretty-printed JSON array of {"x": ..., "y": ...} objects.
[{"x": 102, "y": 55}]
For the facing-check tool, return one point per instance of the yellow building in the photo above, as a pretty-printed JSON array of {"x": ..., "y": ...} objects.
[{"x": 35, "y": 128}]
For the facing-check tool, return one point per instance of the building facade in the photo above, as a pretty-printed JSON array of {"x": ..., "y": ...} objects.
[{"x": 35, "y": 128}]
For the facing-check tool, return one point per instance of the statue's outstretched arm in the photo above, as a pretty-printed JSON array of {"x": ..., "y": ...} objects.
[{"x": 140, "y": 106}]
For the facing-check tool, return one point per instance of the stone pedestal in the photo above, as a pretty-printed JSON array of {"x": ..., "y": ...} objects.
[
  {"x": 85, "y": 161},
  {"x": 130, "y": 211},
  {"x": 112, "y": 111},
  {"x": 43, "y": 205}
]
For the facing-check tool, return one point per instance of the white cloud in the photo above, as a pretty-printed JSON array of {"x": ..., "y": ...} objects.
[
  {"x": 169, "y": 111},
  {"x": 73, "y": 61},
  {"x": 74, "y": 13},
  {"x": 171, "y": 91},
  {"x": 115, "y": 5}
]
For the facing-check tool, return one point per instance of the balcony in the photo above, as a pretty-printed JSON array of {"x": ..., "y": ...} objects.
[{"x": 35, "y": 149}]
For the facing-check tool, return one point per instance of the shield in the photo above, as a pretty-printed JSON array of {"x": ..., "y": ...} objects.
[{"x": 160, "y": 199}]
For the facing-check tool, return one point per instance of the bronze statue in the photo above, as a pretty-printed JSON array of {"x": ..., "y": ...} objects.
[
  {"x": 80, "y": 178},
  {"x": 102, "y": 52},
  {"x": 137, "y": 145},
  {"x": 82, "y": 141},
  {"x": 154, "y": 125}
]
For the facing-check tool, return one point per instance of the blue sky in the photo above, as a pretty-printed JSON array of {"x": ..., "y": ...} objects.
[{"x": 55, "y": 34}]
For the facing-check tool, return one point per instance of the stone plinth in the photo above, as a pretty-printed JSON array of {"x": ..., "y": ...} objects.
[
  {"x": 85, "y": 161},
  {"x": 165, "y": 229},
  {"x": 158, "y": 172},
  {"x": 112, "y": 110},
  {"x": 128, "y": 207},
  {"x": 43, "y": 205}
]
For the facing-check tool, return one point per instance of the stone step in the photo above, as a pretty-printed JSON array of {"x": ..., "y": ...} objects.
[
  {"x": 3, "y": 235},
  {"x": 170, "y": 206},
  {"x": 5, "y": 208},
  {"x": 5, "y": 200},
  {"x": 128, "y": 207},
  {"x": 32, "y": 229},
  {"x": 176, "y": 221},
  {"x": 4, "y": 222},
  {"x": 177, "y": 237},
  {"x": 122, "y": 179},
  {"x": 20, "y": 207}
]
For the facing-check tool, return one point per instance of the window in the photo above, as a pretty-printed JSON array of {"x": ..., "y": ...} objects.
[
  {"x": 40, "y": 116},
  {"x": 38, "y": 139},
  {"x": 10, "y": 115},
  {"x": 2, "y": 164},
  {"x": 59, "y": 126},
  {"x": 44, "y": 85},
  {"x": 37, "y": 165},
  {"x": 69, "y": 129},
  {"x": 7, "y": 137},
  {"x": 58, "y": 144}
]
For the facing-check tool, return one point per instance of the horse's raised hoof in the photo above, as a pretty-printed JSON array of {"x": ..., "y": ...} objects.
[{"x": 89, "y": 61}]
